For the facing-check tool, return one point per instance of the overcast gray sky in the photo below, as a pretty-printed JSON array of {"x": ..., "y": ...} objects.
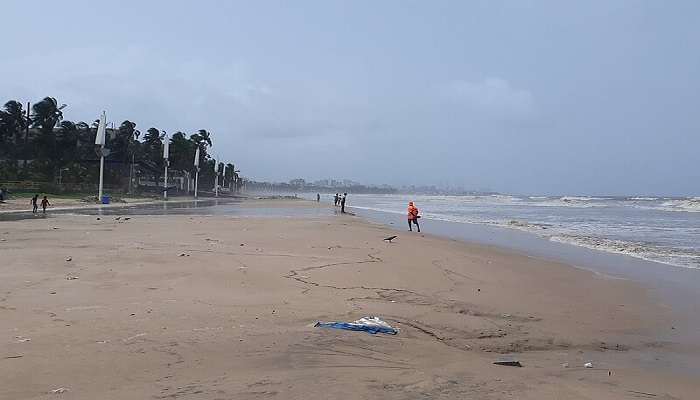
[{"x": 551, "y": 97}]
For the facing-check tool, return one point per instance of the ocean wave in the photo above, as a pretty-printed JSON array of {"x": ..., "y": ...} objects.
[
  {"x": 691, "y": 204},
  {"x": 684, "y": 258},
  {"x": 570, "y": 202},
  {"x": 643, "y": 198}
]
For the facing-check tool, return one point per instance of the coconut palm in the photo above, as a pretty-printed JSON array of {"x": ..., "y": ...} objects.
[{"x": 13, "y": 123}]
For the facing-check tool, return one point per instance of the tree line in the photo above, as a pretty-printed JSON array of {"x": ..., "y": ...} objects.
[{"x": 41, "y": 145}]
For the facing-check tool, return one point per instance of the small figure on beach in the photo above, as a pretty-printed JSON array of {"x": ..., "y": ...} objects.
[
  {"x": 318, "y": 197},
  {"x": 2, "y": 194},
  {"x": 34, "y": 204},
  {"x": 412, "y": 216},
  {"x": 342, "y": 203},
  {"x": 335, "y": 201},
  {"x": 44, "y": 203}
]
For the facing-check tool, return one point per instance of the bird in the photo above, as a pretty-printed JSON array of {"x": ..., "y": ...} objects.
[
  {"x": 127, "y": 218},
  {"x": 390, "y": 238},
  {"x": 118, "y": 218}
]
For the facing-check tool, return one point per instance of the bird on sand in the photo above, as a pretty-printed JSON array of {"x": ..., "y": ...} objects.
[{"x": 390, "y": 238}]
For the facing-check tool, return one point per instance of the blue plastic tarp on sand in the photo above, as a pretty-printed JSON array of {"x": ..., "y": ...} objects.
[{"x": 370, "y": 325}]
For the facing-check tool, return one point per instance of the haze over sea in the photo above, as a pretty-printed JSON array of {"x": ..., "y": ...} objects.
[{"x": 660, "y": 229}]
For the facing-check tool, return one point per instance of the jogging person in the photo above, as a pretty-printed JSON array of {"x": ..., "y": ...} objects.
[{"x": 412, "y": 213}]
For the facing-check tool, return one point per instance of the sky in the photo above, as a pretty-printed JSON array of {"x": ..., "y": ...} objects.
[{"x": 525, "y": 97}]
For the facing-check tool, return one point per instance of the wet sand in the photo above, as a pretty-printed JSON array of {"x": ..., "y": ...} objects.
[{"x": 220, "y": 307}]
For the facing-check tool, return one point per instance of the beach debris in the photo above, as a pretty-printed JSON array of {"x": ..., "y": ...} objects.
[
  {"x": 642, "y": 393},
  {"x": 59, "y": 390},
  {"x": 69, "y": 258},
  {"x": 22, "y": 339},
  {"x": 565, "y": 365},
  {"x": 71, "y": 277},
  {"x": 508, "y": 361},
  {"x": 127, "y": 218},
  {"x": 3, "y": 240},
  {"x": 588, "y": 365},
  {"x": 11, "y": 357},
  {"x": 98, "y": 218},
  {"x": 390, "y": 238},
  {"x": 242, "y": 244},
  {"x": 118, "y": 218},
  {"x": 55, "y": 227},
  {"x": 372, "y": 325},
  {"x": 134, "y": 337},
  {"x": 52, "y": 292}
]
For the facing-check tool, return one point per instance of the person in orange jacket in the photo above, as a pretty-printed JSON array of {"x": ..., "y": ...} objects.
[{"x": 412, "y": 216}]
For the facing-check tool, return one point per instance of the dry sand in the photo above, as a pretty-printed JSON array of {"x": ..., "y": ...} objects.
[{"x": 193, "y": 307}]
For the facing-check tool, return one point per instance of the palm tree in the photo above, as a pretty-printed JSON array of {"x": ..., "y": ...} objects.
[
  {"x": 202, "y": 139},
  {"x": 153, "y": 152},
  {"x": 13, "y": 123},
  {"x": 46, "y": 115},
  {"x": 181, "y": 152}
]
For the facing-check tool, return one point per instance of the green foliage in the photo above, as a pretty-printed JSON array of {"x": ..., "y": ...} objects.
[{"x": 58, "y": 147}]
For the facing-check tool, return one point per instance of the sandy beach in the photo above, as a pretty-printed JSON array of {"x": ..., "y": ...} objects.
[{"x": 217, "y": 307}]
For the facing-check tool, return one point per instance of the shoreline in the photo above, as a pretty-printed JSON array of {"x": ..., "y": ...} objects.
[{"x": 246, "y": 290}]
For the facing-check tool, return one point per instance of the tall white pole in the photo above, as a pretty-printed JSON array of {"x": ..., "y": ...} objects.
[
  {"x": 102, "y": 169},
  {"x": 223, "y": 177},
  {"x": 196, "y": 165},
  {"x": 216, "y": 173},
  {"x": 196, "y": 181},
  {"x": 100, "y": 141},
  {"x": 165, "y": 181},
  {"x": 166, "y": 153}
]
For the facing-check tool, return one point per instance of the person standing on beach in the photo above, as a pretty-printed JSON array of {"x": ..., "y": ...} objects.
[
  {"x": 342, "y": 203},
  {"x": 335, "y": 201},
  {"x": 44, "y": 204},
  {"x": 412, "y": 216},
  {"x": 33, "y": 202},
  {"x": 318, "y": 197}
]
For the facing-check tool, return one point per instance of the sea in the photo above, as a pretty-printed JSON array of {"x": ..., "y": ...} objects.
[{"x": 664, "y": 230}]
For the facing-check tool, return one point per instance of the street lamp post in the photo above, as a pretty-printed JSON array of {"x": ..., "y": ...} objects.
[
  {"x": 216, "y": 176},
  {"x": 100, "y": 141},
  {"x": 196, "y": 166},
  {"x": 166, "y": 151}
]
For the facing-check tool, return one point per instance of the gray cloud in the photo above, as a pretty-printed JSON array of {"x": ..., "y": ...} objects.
[{"x": 513, "y": 97}]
